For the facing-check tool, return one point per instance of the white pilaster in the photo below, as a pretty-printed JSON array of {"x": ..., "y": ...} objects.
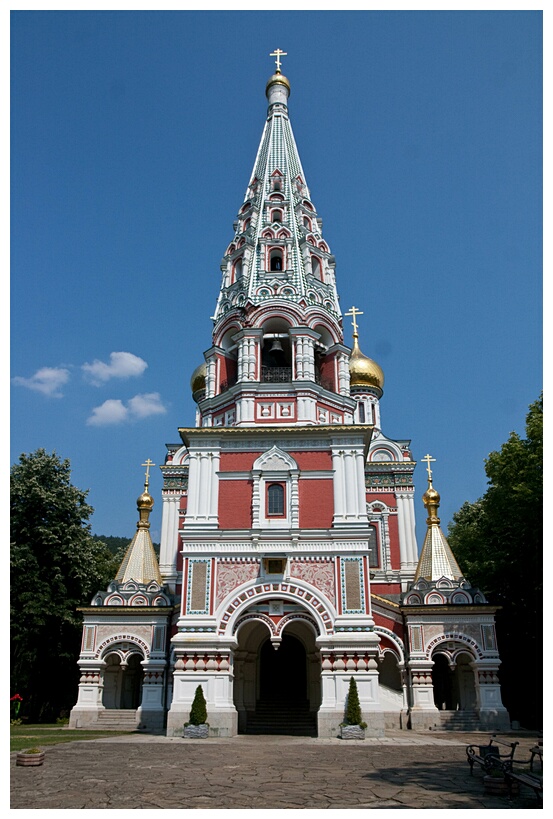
[{"x": 169, "y": 539}]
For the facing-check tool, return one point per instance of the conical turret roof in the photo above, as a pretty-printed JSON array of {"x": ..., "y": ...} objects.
[
  {"x": 140, "y": 562},
  {"x": 278, "y": 218},
  {"x": 436, "y": 558}
]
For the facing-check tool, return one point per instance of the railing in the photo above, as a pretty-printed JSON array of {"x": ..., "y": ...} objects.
[
  {"x": 276, "y": 375},
  {"x": 279, "y": 375}
]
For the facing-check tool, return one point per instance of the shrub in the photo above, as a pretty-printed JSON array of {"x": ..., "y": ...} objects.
[
  {"x": 353, "y": 707},
  {"x": 198, "y": 713}
]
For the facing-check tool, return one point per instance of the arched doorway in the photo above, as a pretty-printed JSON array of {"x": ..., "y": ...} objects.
[
  {"x": 122, "y": 682},
  {"x": 277, "y": 690},
  {"x": 442, "y": 680},
  {"x": 454, "y": 688},
  {"x": 283, "y": 671},
  {"x": 453, "y": 681}
]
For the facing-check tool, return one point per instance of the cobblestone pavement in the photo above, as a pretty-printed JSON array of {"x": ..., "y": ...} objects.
[{"x": 402, "y": 771}]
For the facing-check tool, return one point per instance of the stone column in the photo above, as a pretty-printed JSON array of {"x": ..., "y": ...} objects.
[
  {"x": 151, "y": 712},
  {"x": 343, "y": 373},
  {"x": 358, "y": 659},
  {"x": 200, "y": 660},
  {"x": 492, "y": 713},
  {"x": 423, "y": 713},
  {"x": 89, "y": 701}
]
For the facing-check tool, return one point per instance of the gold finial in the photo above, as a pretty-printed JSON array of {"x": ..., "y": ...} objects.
[
  {"x": 278, "y": 54},
  {"x": 428, "y": 460},
  {"x": 148, "y": 464},
  {"x": 354, "y": 312}
]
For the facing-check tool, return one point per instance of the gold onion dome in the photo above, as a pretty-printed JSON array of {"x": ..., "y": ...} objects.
[
  {"x": 431, "y": 496},
  {"x": 363, "y": 371},
  {"x": 197, "y": 381},
  {"x": 278, "y": 78},
  {"x": 145, "y": 501}
]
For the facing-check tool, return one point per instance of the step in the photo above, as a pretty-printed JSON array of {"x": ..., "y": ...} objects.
[
  {"x": 124, "y": 719},
  {"x": 282, "y": 717}
]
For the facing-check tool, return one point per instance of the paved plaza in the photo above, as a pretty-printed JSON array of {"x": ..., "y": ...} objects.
[{"x": 402, "y": 771}]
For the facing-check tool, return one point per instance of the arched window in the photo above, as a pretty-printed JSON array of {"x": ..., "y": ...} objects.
[
  {"x": 307, "y": 223},
  {"x": 316, "y": 267},
  {"x": 276, "y": 260},
  {"x": 276, "y": 216},
  {"x": 275, "y": 500},
  {"x": 237, "y": 270}
]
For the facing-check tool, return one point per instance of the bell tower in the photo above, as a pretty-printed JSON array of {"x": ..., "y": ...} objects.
[{"x": 277, "y": 353}]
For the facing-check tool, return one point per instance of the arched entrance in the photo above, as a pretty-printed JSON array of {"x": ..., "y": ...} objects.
[
  {"x": 122, "y": 682},
  {"x": 442, "y": 681},
  {"x": 454, "y": 689},
  {"x": 283, "y": 671},
  {"x": 453, "y": 681},
  {"x": 277, "y": 686}
]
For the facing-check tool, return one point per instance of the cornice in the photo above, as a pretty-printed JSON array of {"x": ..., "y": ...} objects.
[
  {"x": 385, "y": 601},
  {"x": 132, "y": 611},
  {"x": 364, "y": 431},
  {"x": 451, "y": 610}
]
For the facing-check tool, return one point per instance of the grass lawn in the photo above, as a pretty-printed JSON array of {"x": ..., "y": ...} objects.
[{"x": 39, "y": 736}]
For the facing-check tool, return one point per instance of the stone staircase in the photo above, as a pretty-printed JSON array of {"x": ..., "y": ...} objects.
[
  {"x": 117, "y": 719},
  {"x": 282, "y": 717},
  {"x": 459, "y": 721}
]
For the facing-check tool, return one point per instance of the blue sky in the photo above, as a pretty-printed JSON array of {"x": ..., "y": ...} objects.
[{"x": 133, "y": 135}]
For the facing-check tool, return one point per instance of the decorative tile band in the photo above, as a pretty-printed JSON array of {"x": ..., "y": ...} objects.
[
  {"x": 352, "y": 586},
  {"x": 199, "y": 582}
]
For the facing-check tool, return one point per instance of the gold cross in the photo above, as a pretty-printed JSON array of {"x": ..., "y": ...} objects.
[
  {"x": 354, "y": 312},
  {"x": 428, "y": 459},
  {"x": 278, "y": 54},
  {"x": 148, "y": 464}
]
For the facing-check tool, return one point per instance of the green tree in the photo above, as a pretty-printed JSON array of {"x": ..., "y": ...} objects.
[
  {"x": 198, "y": 712},
  {"x": 498, "y": 541},
  {"x": 353, "y": 707},
  {"x": 55, "y": 566}
]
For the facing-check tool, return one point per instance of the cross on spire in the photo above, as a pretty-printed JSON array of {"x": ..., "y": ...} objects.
[
  {"x": 148, "y": 464},
  {"x": 354, "y": 312},
  {"x": 278, "y": 53},
  {"x": 428, "y": 460}
]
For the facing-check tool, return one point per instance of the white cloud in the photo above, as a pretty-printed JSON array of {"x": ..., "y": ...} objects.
[
  {"x": 121, "y": 365},
  {"x": 114, "y": 410},
  {"x": 141, "y": 406},
  {"x": 47, "y": 380}
]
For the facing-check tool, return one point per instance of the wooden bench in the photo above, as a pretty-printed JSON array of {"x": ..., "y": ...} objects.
[
  {"x": 489, "y": 756},
  {"x": 515, "y": 772}
]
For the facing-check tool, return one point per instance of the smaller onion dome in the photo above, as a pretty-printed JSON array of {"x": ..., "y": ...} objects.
[
  {"x": 145, "y": 501},
  {"x": 197, "y": 382},
  {"x": 431, "y": 496},
  {"x": 363, "y": 371},
  {"x": 277, "y": 78}
]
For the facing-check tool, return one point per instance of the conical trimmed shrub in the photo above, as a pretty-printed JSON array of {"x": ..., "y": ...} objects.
[
  {"x": 353, "y": 709},
  {"x": 198, "y": 713}
]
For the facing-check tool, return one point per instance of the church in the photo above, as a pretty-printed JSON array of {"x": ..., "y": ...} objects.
[{"x": 288, "y": 560}]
